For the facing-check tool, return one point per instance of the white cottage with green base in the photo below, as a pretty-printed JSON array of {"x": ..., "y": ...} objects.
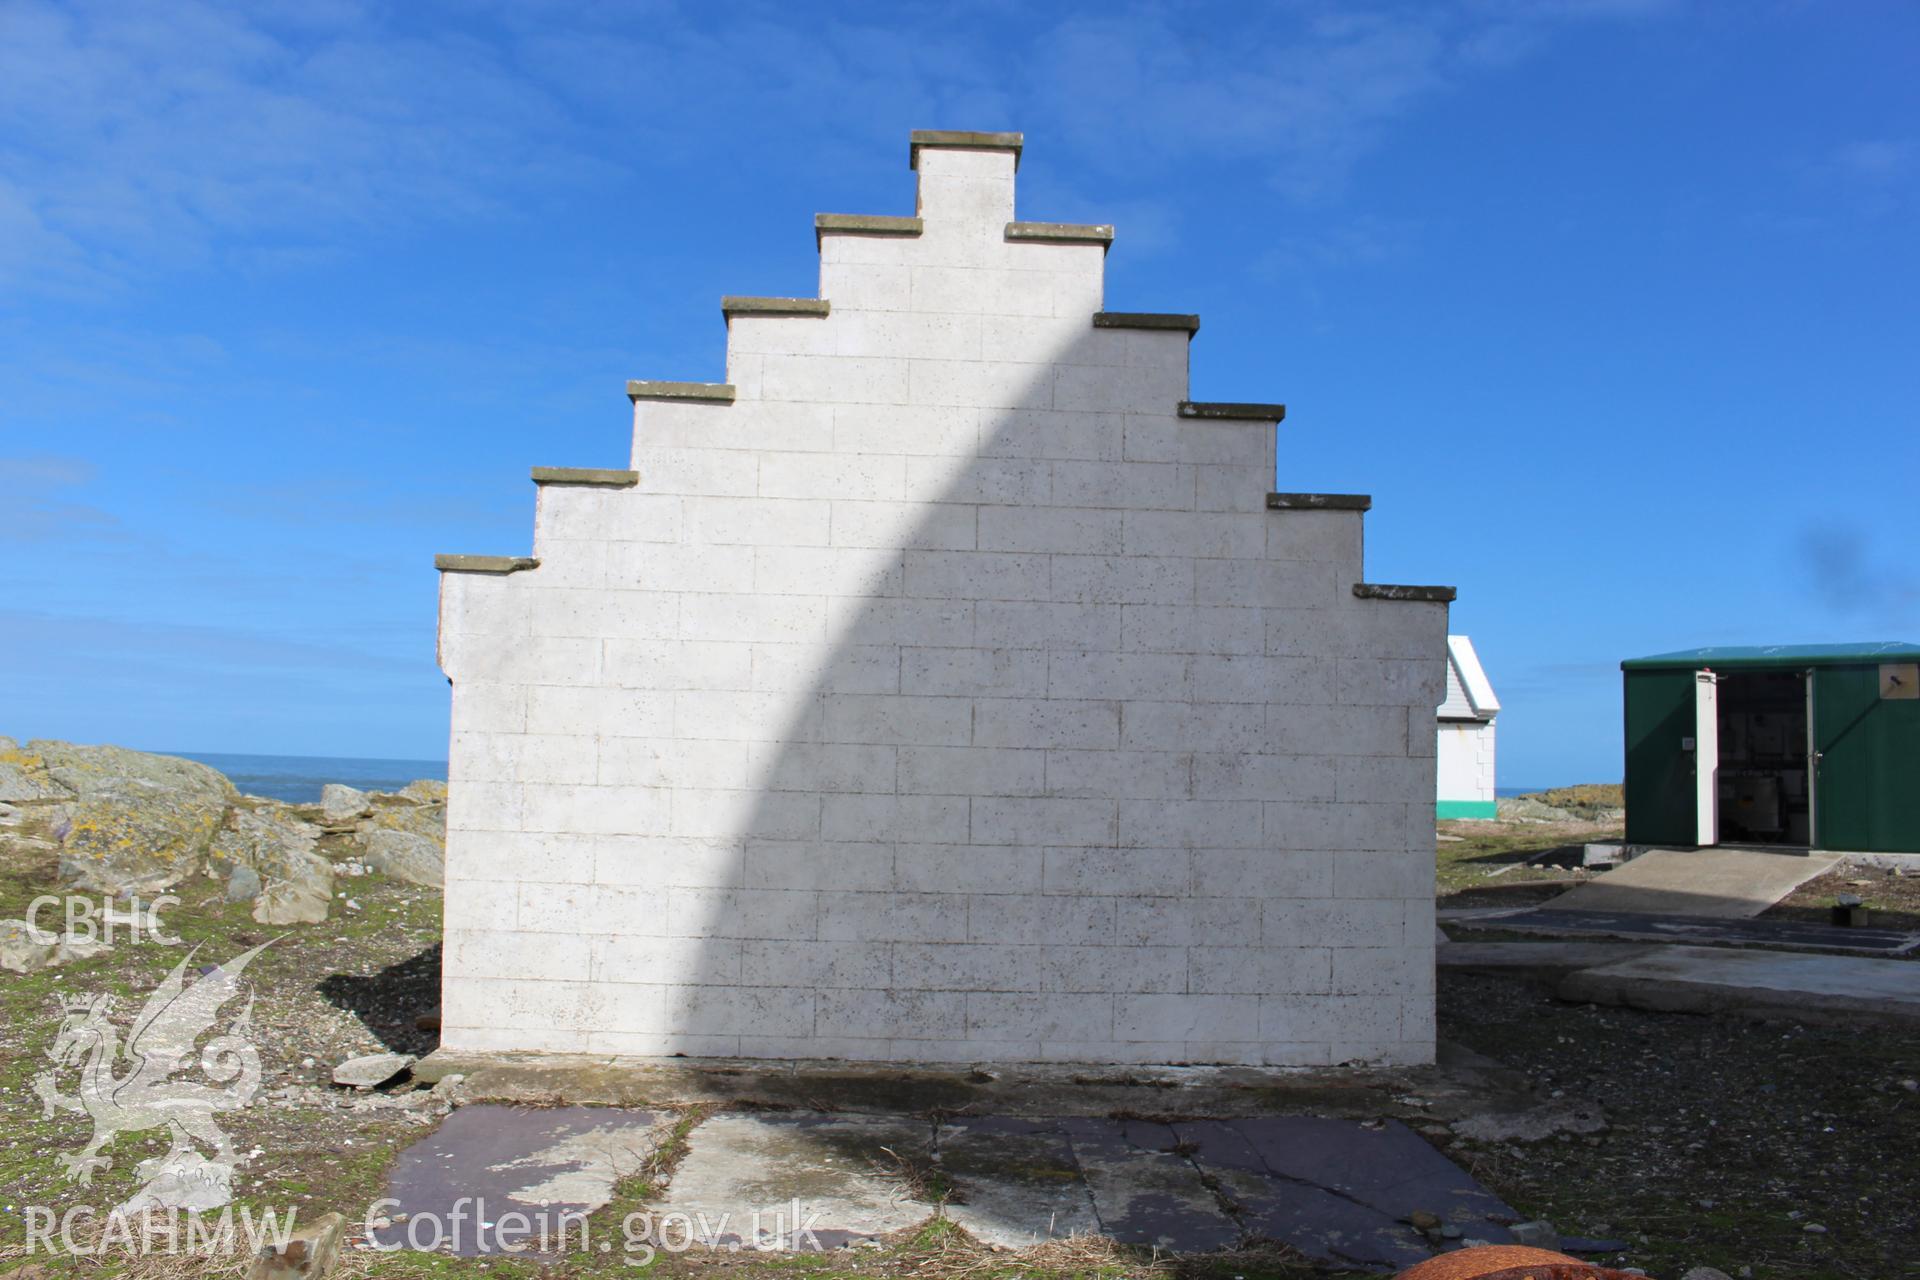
[
  {"x": 945, "y": 685},
  {"x": 1464, "y": 774}
]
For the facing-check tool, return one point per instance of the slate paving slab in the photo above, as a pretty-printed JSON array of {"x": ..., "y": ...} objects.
[
  {"x": 494, "y": 1179},
  {"x": 1342, "y": 1191},
  {"x": 1015, "y": 1182},
  {"x": 1319, "y": 1221},
  {"x": 1144, "y": 1192},
  {"x": 796, "y": 1180}
]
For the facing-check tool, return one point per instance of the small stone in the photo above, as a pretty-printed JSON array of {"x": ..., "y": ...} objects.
[
  {"x": 309, "y": 1253},
  {"x": 1539, "y": 1233},
  {"x": 1911, "y": 1086},
  {"x": 371, "y": 1071},
  {"x": 24, "y": 949},
  {"x": 1848, "y": 900},
  {"x": 243, "y": 885},
  {"x": 1451, "y": 1232},
  {"x": 340, "y": 803},
  {"x": 1423, "y": 1221},
  {"x": 73, "y": 947},
  {"x": 1706, "y": 1273},
  {"x": 1814, "y": 1229}
]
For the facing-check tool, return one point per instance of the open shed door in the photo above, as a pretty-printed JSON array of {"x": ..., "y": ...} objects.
[{"x": 1706, "y": 757}]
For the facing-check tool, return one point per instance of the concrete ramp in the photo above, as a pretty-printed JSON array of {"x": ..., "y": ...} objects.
[
  {"x": 1783, "y": 983},
  {"x": 1720, "y": 883}
]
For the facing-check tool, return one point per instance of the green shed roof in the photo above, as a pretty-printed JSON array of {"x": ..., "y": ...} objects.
[{"x": 1780, "y": 655}]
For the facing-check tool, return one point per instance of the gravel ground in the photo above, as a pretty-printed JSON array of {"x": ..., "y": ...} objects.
[
  {"x": 1892, "y": 898},
  {"x": 1790, "y": 1149}
]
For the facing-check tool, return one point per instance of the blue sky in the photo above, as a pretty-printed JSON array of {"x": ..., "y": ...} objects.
[{"x": 1609, "y": 303}]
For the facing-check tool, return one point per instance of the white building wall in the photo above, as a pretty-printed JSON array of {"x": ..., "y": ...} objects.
[
  {"x": 1466, "y": 767},
  {"x": 1464, "y": 778},
  {"x": 947, "y": 695}
]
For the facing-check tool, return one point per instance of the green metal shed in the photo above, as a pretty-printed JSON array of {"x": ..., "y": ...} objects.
[{"x": 1800, "y": 745}]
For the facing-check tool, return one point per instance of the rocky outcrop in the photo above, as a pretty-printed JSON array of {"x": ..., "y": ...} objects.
[
  {"x": 127, "y": 822},
  {"x": 425, "y": 791},
  {"x": 407, "y": 841},
  {"x": 130, "y": 823},
  {"x": 408, "y": 856},
  {"x": 268, "y": 856}
]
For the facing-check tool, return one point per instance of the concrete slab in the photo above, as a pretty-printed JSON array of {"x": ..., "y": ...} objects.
[
  {"x": 1713, "y": 979},
  {"x": 1730, "y": 883},
  {"x": 796, "y": 1181},
  {"x": 495, "y": 1179},
  {"x": 1626, "y": 925},
  {"x": 1539, "y": 959},
  {"x": 1016, "y": 1182}
]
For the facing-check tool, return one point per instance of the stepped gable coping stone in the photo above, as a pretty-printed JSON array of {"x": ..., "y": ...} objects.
[
  {"x": 717, "y": 391},
  {"x": 1395, "y": 591},
  {"x": 1146, "y": 320},
  {"x": 1233, "y": 410},
  {"x": 963, "y": 140},
  {"x": 1319, "y": 502},
  {"x": 484, "y": 564},
  {"x": 734, "y": 305},
  {"x": 587, "y": 476}
]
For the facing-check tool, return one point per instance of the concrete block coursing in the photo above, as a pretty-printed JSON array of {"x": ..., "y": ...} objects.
[{"x": 948, "y": 693}]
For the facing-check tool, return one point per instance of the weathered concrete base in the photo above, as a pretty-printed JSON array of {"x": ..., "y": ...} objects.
[
  {"x": 1716, "y": 980},
  {"x": 1733, "y": 883},
  {"x": 1534, "y": 959},
  {"x": 1769, "y": 932},
  {"x": 1027, "y": 1089}
]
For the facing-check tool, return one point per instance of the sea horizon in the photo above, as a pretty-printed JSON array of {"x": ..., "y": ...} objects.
[{"x": 298, "y": 779}]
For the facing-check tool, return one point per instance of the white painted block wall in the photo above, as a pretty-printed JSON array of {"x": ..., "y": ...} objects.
[
  {"x": 1465, "y": 761},
  {"x": 945, "y": 697}
]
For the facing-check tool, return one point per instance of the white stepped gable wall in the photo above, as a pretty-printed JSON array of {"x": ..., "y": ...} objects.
[{"x": 945, "y": 696}]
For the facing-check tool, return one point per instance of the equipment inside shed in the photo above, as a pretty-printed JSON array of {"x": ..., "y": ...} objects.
[{"x": 1763, "y": 784}]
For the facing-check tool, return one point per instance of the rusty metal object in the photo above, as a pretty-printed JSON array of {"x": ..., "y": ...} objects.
[{"x": 1508, "y": 1262}]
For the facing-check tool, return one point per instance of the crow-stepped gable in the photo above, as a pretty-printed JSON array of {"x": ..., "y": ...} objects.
[{"x": 945, "y": 685}]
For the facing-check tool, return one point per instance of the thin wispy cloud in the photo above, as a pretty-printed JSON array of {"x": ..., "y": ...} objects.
[
  {"x": 140, "y": 139},
  {"x": 35, "y": 493}
]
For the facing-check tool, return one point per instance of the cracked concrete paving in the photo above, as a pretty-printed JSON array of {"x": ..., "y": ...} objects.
[
  {"x": 796, "y": 1181},
  {"x": 1016, "y": 1182},
  {"x": 1337, "y": 1190}
]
